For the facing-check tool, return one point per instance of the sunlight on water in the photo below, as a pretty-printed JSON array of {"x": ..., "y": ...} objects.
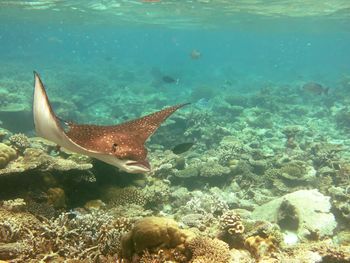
[{"x": 188, "y": 13}]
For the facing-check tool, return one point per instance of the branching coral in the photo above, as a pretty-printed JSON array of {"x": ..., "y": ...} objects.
[
  {"x": 72, "y": 236},
  {"x": 20, "y": 141}
]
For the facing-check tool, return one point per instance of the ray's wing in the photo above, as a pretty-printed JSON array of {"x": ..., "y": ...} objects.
[
  {"x": 101, "y": 138},
  {"x": 145, "y": 126},
  {"x": 47, "y": 125}
]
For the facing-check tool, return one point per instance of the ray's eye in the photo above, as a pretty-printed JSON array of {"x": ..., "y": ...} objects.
[{"x": 114, "y": 147}]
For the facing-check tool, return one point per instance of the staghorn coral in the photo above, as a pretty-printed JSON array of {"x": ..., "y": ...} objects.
[
  {"x": 207, "y": 250},
  {"x": 7, "y": 154},
  {"x": 231, "y": 222}
]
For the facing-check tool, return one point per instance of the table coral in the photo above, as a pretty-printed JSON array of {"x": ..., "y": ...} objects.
[
  {"x": 7, "y": 154},
  {"x": 37, "y": 160}
]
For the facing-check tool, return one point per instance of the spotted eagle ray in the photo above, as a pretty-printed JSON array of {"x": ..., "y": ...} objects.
[{"x": 120, "y": 145}]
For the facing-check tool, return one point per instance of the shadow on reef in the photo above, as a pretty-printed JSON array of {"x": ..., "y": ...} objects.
[{"x": 76, "y": 188}]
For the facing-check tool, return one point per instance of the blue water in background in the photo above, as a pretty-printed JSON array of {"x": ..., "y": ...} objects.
[{"x": 106, "y": 56}]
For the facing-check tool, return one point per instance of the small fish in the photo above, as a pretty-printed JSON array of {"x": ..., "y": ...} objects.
[
  {"x": 168, "y": 79},
  {"x": 195, "y": 54},
  {"x": 182, "y": 147},
  {"x": 315, "y": 88}
]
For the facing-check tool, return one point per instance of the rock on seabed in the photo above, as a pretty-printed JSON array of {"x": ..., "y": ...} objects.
[{"x": 311, "y": 213}]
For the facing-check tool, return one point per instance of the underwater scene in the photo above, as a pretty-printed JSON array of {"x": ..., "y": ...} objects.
[{"x": 168, "y": 131}]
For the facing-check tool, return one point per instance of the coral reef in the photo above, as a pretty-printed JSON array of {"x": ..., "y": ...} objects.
[
  {"x": 260, "y": 247},
  {"x": 20, "y": 141},
  {"x": 36, "y": 159},
  {"x": 240, "y": 194},
  {"x": 207, "y": 250},
  {"x": 153, "y": 233},
  {"x": 73, "y": 235},
  {"x": 7, "y": 154},
  {"x": 231, "y": 222}
]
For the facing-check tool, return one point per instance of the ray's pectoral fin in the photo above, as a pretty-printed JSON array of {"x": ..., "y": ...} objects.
[
  {"x": 47, "y": 124},
  {"x": 148, "y": 124}
]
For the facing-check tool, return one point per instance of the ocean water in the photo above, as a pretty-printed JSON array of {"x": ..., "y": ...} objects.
[{"x": 269, "y": 87}]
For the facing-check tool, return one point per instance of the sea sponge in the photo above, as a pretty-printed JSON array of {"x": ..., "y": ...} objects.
[
  {"x": 207, "y": 250},
  {"x": 7, "y": 154},
  {"x": 152, "y": 234},
  {"x": 231, "y": 222}
]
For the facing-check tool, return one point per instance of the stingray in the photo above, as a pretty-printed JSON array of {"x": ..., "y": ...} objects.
[{"x": 121, "y": 145}]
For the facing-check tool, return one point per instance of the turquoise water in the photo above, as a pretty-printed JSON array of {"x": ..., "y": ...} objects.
[
  {"x": 122, "y": 43},
  {"x": 99, "y": 37}
]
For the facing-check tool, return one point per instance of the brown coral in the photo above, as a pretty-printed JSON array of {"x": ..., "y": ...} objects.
[
  {"x": 231, "y": 222},
  {"x": 207, "y": 250},
  {"x": 7, "y": 154},
  {"x": 153, "y": 234},
  {"x": 260, "y": 247}
]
